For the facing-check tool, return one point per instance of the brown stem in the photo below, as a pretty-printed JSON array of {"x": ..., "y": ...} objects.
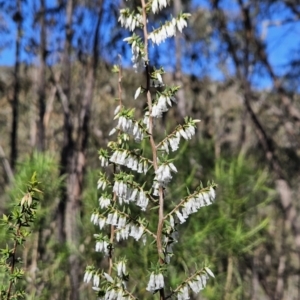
[
  {"x": 153, "y": 148},
  {"x": 228, "y": 278},
  {"x": 13, "y": 263}
]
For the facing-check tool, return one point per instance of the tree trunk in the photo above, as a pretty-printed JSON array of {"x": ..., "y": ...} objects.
[
  {"x": 41, "y": 90},
  {"x": 73, "y": 159},
  {"x": 18, "y": 18}
]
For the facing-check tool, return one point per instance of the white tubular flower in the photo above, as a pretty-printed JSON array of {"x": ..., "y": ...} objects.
[
  {"x": 101, "y": 184},
  {"x": 159, "y": 78},
  {"x": 136, "y": 232},
  {"x": 151, "y": 283},
  {"x": 155, "y": 187},
  {"x": 121, "y": 268},
  {"x": 163, "y": 173},
  {"x": 130, "y": 127},
  {"x": 200, "y": 201},
  {"x": 181, "y": 23},
  {"x": 146, "y": 120},
  {"x": 162, "y": 103},
  {"x": 117, "y": 109},
  {"x": 120, "y": 296},
  {"x": 165, "y": 146},
  {"x": 134, "y": 194},
  {"x": 154, "y": 6},
  {"x": 87, "y": 276},
  {"x": 160, "y": 107},
  {"x": 96, "y": 280},
  {"x": 159, "y": 281},
  {"x": 196, "y": 286},
  {"x": 140, "y": 168},
  {"x": 122, "y": 222},
  {"x": 110, "y": 295},
  {"x": 186, "y": 210},
  {"x": 172, "y": 223},
  {"x": 145, "y": 165},
  {"x": 158, "y": 5},
  {"x": 161, "y": 34},
  {"x": 123, "y": 233},
  {"x": 104, "y": 202},
  {"x": 122, "y": 158},
  {"x": 156, "y": 282},
  {"x": 103, "y": 161},
  {"x": 129, "y": 161},
  {"x": 174, "y": 141},
  {"x": 137, "y": 92},
  {"x": 134, "y": 166},
  {"x": 94, "y": 218},
  {"x": 114, "y": 156},
  {"x": 142, "y": 201},
  {"x": 206, "y": 199},
  {"x": 209, "y": 272},
  {"x": 114, "y": 130},
  {"x": 108, "y": 277},
  {"x": 137, "y": 59},
  {"x": 190, "y": 131},
  {"x": 183, "y": 293},
  {"x": 128, "y": 20},
  {"x": 101, "y": 222},
  {"x": 180, "y": 217},
  {"x": 102, "y": 246},
  {"x": 183, "y": 134},
  {"x": 212, "y": 194},
  {"x": 112, "y": 219}
]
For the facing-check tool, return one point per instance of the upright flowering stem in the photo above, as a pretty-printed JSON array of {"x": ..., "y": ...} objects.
[
  {"x": 152, "y": 142},
  {"x": 121, "y": 189},
  {"x": 153, "y": 148}
]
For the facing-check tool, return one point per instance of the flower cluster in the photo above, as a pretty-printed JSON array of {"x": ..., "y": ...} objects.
[
  {"x": 121, "y": 268},
  {"x": 98, "y": 219},
  {"x": 129, "y": 193},
  {"x": 102, "y": 244},
  {"x": 131, "y": 127},
  {"x": 124, "y": 228},
  {"x": 161, "y": 105},
  {"x": 168, "y": 30},
  {"x": 129, "y": 20},
  {"x": 120, "y": 188},
  {"x": 196, "y": 283},
  {"x": 103, "y": 182},
  {"x": 130, "y": 160},
  {"x": 103, "y": 157},
  {"x": 194, "y": 203},
  {"x": 163, "y": 173},
  {"x": 138, "y": 53},
  {"x": 90, "y": 274},
  {"x": 130, "y": 229},
  {"x": 146, "y": 120},
  {"x": 104, "y": 201},
  {"x": 156, "y": 282},
  {"x": 162, "y": 176},
  {"x": 158, "y": 5},
  {"x": 186, "y": 131}
]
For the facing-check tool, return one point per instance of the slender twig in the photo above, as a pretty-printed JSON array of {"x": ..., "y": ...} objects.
[
  {"x": 153, "y": 147},
  {"x": 112, "y": 227},
  {"x": 13, "y": 262}
]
